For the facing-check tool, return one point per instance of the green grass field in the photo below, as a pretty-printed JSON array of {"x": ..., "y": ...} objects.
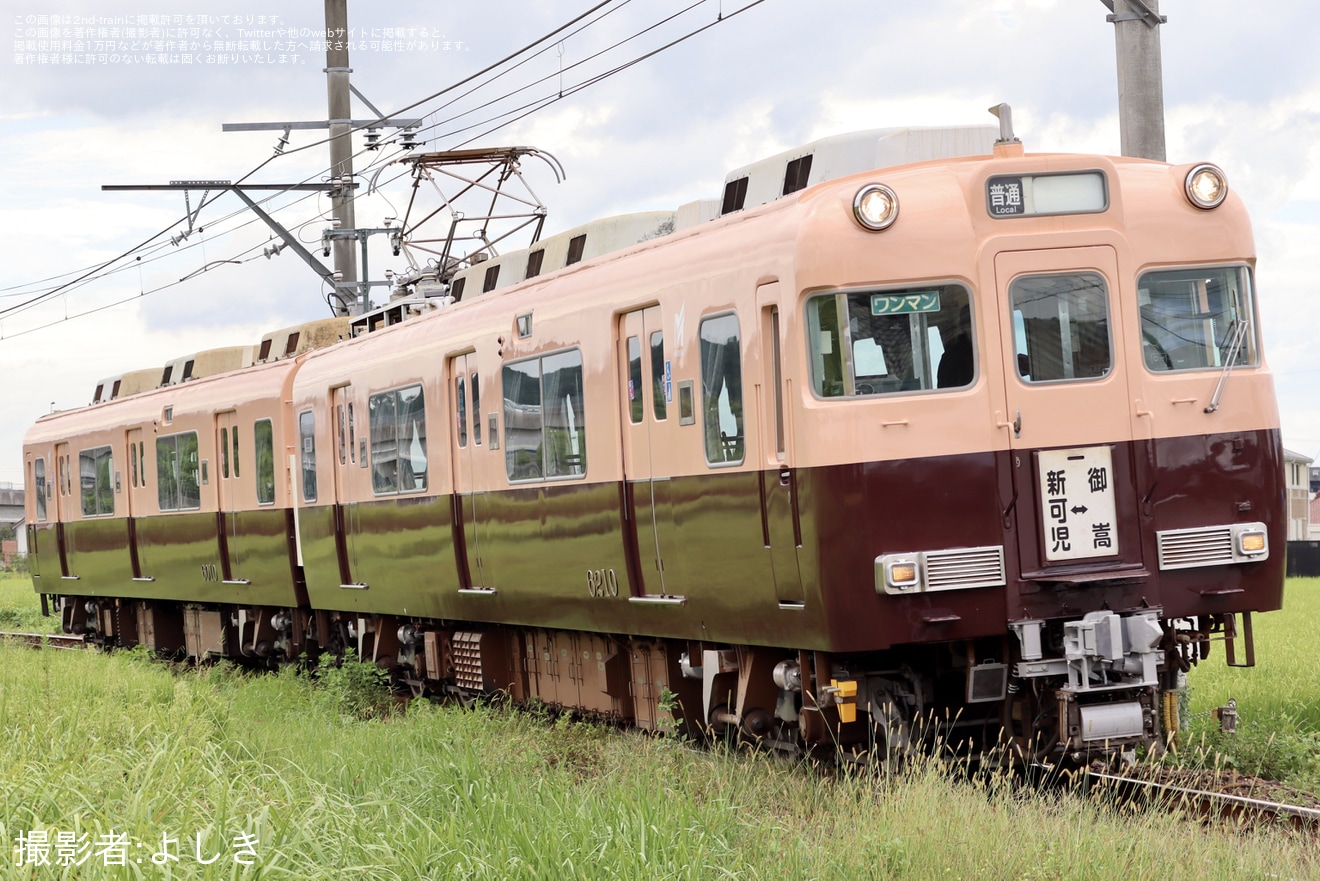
[
  {"x": 99, "y": 745},
  {"x": 1278, "y": 700}
]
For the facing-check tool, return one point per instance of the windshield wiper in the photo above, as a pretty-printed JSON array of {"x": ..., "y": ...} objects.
[{"x": 1234, "y": 346}]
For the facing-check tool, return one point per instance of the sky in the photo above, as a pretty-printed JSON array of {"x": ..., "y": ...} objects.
[{"x": 118, "y": 103}]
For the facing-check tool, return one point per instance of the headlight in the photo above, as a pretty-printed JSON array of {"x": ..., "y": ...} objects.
[
  {"x": 875, "y": 206},
  {"x": 1206, "y": 186}
]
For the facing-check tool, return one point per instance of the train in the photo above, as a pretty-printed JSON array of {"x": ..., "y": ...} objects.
[{"x": 909, "y": 430}]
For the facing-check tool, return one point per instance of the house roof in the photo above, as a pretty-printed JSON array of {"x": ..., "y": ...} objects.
[{"x": 1290, "y": 456}]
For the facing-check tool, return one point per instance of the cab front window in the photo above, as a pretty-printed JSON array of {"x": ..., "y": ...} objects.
[
  {"x": 892, "y": 340},
  {"x": 1197, "y": 319}
]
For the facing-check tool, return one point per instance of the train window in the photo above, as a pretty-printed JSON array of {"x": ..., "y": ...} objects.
[
  {"x": 307, "y": 446},
  {"x": 1191, "y": 319},
  {"x": 659, "y": 381},
  {"x": 96, "y": 469},
  {"x": 343, "y": 437},
  {"x": 224, "y": 453},
  {"x": 352, "y": 435},
  {"x": 1061, "y": 327},
  {"x": 398, "y": 440},
  {"x": 39, "y": 486},
  {"x": 544, "y": 418},
  {"x": 891, "y": 341},
  {"x": 492, "y": 279},
  {"x": 494, "y": 431},
  {"x": 721, "y": 389},
  {"x": 234, "y": 440},
  {"x": 142, "y": 462},
  {"x": 263, "y": 443},
  {"x": 132, "y": 464},
  {"x": 177, "y": 471},
  {"x": 456, "y": 288},
  {"x": 462, "y": 412},
  {"x": 476, "y": 410},
  {"x": 634, "y": 379}
]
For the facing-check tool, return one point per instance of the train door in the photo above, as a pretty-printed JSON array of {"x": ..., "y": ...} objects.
[
  {"x": 1068, "y": 416},
  {"x": 782, "y": 529},
  {"x": 38, "y": 480},
  {"x": 227, "y": 525},
  {"x": 646, "y": 386},
  {"x": 347, "y": 452},
  {"x": 63, "y": 506},
  {"x": 471, "y": 517},
  {"x": 139, "y": 501}
]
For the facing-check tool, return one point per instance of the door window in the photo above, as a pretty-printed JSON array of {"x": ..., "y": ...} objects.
[{"x": 1061, "y": 327}]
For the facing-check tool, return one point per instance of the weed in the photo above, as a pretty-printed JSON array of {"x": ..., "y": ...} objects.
[{"x": 357, "y": 690}]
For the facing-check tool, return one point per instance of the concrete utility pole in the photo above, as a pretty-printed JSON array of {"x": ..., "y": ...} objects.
[
  {"x": 341, "y": 127},
  {"x": 1140, "y": 76}
]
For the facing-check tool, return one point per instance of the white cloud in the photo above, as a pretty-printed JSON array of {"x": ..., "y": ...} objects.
[{"x": 664, "y": 132}]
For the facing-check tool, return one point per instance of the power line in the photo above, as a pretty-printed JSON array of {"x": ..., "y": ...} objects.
[{"x": 516, "y": 114}]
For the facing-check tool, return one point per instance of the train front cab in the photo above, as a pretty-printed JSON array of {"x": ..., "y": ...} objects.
[{"x": 1103, "y": 491}]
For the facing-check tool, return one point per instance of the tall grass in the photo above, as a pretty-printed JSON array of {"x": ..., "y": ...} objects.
[
  {"x": 20, "y": 607},
  {"x": 95, "y": 744}
]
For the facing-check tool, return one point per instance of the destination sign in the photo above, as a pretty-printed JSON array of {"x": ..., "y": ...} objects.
[
  {"x": 1028, "y": 195},
  {"x": 905, "y": 304}
]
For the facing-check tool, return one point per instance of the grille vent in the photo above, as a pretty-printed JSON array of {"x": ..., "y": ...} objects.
[
  {"x": 467, "y": 661},
  {"x": 964, "y": 567},
  {"x": 1186, "y": 548}
]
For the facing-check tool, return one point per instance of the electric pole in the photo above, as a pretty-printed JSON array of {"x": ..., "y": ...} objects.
[
  {"x": 1140, "y": 76},
  {"x": 341, "y": 138}
]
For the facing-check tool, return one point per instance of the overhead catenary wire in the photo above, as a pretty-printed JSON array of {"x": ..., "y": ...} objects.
[{"x": 496, "y": 121}]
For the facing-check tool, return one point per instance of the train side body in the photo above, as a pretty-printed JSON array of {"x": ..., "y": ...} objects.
[{"x": 1026, "y": 432}]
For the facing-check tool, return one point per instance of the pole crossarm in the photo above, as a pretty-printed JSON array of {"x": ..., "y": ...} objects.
[
  {"x": 288, "y": 238},
  {"x": 1144, "y": 13},
  {"x": 387, "y": 122}
]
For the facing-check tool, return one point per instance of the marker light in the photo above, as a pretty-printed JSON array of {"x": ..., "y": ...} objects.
[
  {"x": 875, "y": 206},
  {"x": 901, "y": 573},
  {"x": 1206, "y": 186},
  {"x": 1251, "y": 543}
]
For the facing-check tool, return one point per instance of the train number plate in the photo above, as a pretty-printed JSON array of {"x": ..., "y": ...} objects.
[{"x": 1077, "y": 503}]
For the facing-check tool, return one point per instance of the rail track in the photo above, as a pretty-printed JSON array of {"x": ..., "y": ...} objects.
[
  {"x": 1216, "y": 802},
  {"x": 47, "y": 640}
]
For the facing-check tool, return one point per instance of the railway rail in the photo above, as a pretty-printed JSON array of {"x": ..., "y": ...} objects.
[
  {"x": 67, "y": 642},
  {"x": 1209, "y": 804}
]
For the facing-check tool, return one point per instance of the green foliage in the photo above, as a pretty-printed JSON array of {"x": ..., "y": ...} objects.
[{"x": 356, "y": 690}]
